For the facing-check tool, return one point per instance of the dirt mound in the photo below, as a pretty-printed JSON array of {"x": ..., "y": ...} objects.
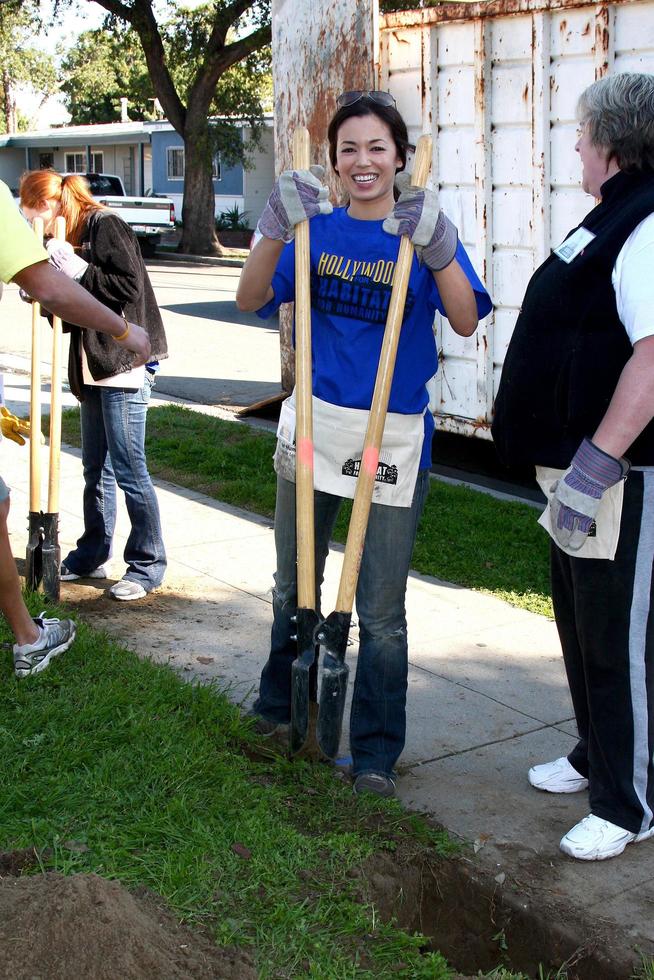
[{"x": 54, "y": 927}]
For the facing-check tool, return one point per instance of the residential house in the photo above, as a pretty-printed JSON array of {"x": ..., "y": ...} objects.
[{"x": 147, "y": 156}]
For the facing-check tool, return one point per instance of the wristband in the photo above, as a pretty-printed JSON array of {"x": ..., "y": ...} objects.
[{"x": 125, "y": 332}]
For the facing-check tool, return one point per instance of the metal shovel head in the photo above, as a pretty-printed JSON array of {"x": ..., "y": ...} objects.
[
  {"x": 333, "y": 689},
  {"x": 51, "y": 557},
  {"x": 304, "y": 685},
  {"x": 34, "y": 551}
]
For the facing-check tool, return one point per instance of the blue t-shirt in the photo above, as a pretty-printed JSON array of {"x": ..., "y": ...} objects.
[{"x": 352, "y": 266}]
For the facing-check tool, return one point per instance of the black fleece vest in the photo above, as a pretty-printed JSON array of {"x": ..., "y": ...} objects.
[{"x": 569, "y": 347}]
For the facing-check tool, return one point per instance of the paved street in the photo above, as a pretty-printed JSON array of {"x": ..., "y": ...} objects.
[{"x": 218, "y": 356}]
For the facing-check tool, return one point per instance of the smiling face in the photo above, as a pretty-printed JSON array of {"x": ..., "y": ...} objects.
[
  {"x": 366, "y": 162},
  {"x": 596, "y": 167}
]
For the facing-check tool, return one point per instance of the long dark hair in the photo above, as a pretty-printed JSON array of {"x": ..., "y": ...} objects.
[{"x": 367, "y": 107}]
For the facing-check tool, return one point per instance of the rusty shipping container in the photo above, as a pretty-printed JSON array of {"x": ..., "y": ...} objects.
[{"x": 497, "y": 85}]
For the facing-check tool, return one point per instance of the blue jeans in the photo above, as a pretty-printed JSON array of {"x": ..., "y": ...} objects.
[
  {"x": 113, "y": 451},
  {"x": 378, "y": 715}
]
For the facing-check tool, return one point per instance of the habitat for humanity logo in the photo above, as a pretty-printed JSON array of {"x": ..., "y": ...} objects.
[
  {"x": 386, "y": 472},
  {"x": 350, "y": 288}
]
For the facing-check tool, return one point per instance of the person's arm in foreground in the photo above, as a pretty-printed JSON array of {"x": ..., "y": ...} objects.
[
  {"x": 70, "y": 301},
  {"x": 632, "y": 404}
]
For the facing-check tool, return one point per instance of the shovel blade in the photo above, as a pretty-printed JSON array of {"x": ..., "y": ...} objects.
[
  {"x": 34, "y": 551},
  {"x": 304, "y": 684},
  {"x": 333, "y": 689},
  {"x": 51, "y": 557}
]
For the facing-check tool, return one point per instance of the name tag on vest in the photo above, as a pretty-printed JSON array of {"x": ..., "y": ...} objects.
[
  {"x": 338, "y": 437},
  {"x": 574, "y": 245}
]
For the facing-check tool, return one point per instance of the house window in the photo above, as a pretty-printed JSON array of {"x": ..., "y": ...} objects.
[
  {"x": 175, "y": 155},
  {"x": 216, "y": 171},
  {"x": 76, "y": 163},
  {"x": 46, "y": 161}
]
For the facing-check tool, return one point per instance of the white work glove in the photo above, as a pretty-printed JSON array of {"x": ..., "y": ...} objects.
[
  {"x": 63, "y": 257},
  {"x": 298, "y": 195},
  {"x": 578, "y": 493},
  {"x": 416, "y": 213}
]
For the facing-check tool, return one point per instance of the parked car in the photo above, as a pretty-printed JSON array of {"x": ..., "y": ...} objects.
[{"x": 147, "y": 216}]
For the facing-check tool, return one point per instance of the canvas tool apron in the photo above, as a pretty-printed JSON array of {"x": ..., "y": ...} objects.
[{"x": 338, "y": 438}]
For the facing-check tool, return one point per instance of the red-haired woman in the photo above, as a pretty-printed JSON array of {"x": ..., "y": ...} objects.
[{"x": 101, "y": 252}]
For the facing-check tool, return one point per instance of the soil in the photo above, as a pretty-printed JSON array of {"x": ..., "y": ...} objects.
[{"x": 54, "y": 927}]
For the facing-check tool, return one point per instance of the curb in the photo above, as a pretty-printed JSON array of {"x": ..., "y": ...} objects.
[{"x": 161, "y": 255}]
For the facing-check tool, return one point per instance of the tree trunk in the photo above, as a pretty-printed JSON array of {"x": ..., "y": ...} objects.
[{"x": 198, "y": 208}]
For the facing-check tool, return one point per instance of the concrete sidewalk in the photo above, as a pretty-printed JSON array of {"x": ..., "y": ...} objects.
[{"x": 487, "y": 692}]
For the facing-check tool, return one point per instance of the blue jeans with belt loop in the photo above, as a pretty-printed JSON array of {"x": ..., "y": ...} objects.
[
  {"x": 378, "y": 715},
  {"x": 113, "y": 451}
]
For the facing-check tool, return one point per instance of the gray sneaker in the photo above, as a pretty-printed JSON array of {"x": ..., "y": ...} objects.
[
  {"x": 66, "y": 575},
  {"x": 56, "y": 635},
  {"x": 264, "y": 728},
  {"x": 374, "y": 782}
]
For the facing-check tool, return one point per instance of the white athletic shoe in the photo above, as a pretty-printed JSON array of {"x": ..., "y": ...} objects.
[
  {"x": 126, "y": 590},
  {"x": 594, "y": 839},
  {"x": 557, "y": 777}
]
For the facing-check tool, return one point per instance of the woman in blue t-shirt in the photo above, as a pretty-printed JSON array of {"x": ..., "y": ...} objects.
[{"x": 353, "y": 254}]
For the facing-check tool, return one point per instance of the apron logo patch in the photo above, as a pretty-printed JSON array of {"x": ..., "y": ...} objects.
[{"x": 386, "y": 473}]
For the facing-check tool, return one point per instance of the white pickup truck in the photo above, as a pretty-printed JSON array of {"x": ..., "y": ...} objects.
[{"x": 147, "y": 216}]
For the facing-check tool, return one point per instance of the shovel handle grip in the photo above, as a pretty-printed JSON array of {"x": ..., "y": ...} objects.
[
  {"x": 378, "y": 409},
  {"x": 35, "y": 394},
  {"x": 306, "y": 573},
  {"x": 55, "y": 397}
]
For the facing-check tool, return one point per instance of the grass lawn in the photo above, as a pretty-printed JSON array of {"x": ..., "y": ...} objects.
[
  {"x": 465, "y": 537},
  {"x": 114, "y": 765}
]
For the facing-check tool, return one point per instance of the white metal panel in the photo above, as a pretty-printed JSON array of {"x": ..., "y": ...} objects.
[
  {"x": 512, "y": 223},
  {"x": 634, "y": 28},
  {"x": 511, "y": 93},
  {"x": 511, "y": 39},
  {"x": 455, "y": 163},
  {"x": 456, "y": 43},
  {"x": 456, "y": 96},
  {"x": 572, "y": 32}
]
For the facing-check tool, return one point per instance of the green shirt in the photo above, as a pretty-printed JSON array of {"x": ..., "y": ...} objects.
[{"x": 19, "y": 247}]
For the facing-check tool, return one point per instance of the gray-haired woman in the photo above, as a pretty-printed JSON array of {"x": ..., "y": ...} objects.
[{"x": 577, "y": 400}]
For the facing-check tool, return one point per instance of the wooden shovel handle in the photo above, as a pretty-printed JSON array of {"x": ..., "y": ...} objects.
[
  {"x": 55, "y": 398},
  {"x": 306, "y": 561},
  {"x": 375, "y": 430},
  {"x": 35, "y": 395}
]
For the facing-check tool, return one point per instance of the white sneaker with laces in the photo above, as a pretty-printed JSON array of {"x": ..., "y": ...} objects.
[
  {"x": 594, "y": 839},
  {"x": 557, "y": 777}
]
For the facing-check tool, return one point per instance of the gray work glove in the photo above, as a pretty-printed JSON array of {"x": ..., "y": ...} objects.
[
  {"x": 416, "y": 213},
  {"x": 63, "y": 257},
  {"x": 297, "y": 196},
  {"x": 578, "y": 494}
]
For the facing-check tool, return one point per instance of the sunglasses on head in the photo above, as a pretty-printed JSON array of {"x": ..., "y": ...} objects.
[{"x": 349, "y": 98}]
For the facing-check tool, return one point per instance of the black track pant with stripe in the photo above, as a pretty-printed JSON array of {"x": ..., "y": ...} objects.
[{"x": 605, "y": 617}]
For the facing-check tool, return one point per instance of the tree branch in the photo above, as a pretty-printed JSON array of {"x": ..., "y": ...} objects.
[
  {"x": 142, "y": 19},
  {"x": 216, "y": 64}
]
